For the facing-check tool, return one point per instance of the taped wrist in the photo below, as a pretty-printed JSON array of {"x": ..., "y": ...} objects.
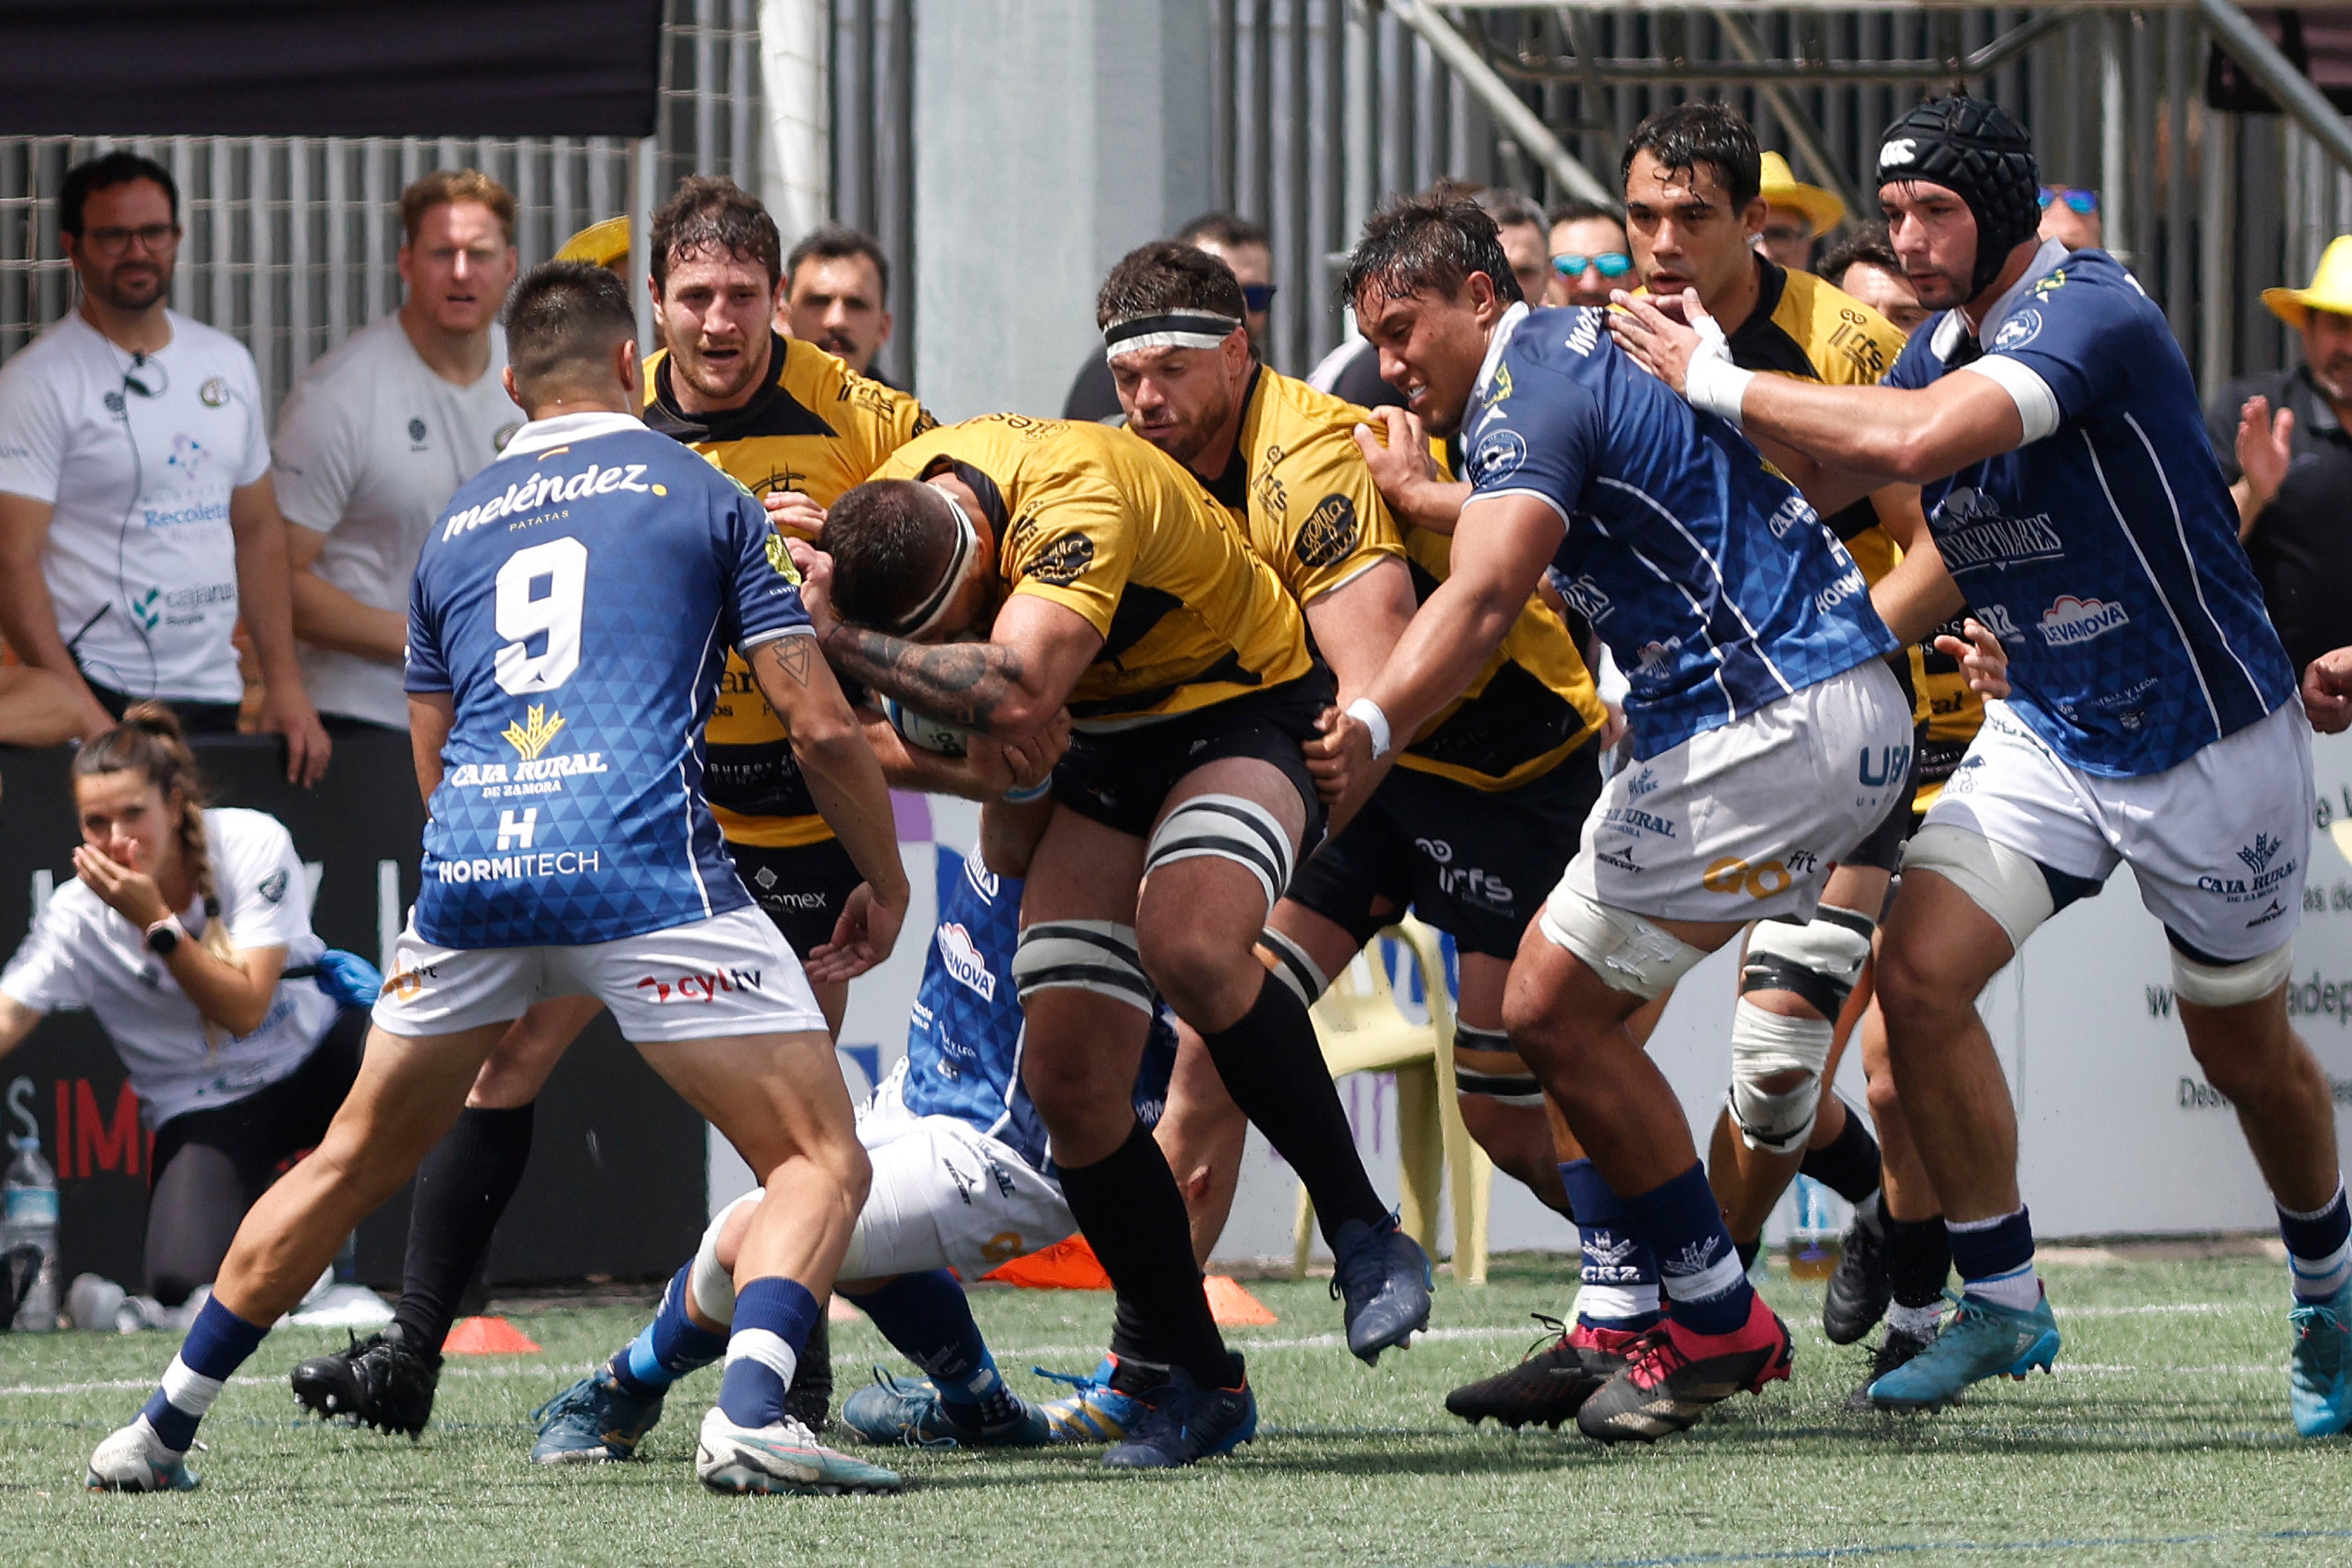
[{"x": 1713, "y": 383}]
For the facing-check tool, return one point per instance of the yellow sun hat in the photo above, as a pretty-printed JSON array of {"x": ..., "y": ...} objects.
[
  {"x": 2330, "y": 290},
  {"x": 1783, "y": 189},
  {"x": 605, "y": 244}
]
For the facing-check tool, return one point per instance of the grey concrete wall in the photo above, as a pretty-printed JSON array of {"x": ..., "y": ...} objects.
[{"x": 1051, "y": 137}]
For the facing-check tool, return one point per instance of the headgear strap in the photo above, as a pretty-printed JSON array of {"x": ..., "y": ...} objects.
[
  {"x": 1169, "y": 330},
  {"x": 915, "y": 623},
  {"x": 1981, "y": 153}
]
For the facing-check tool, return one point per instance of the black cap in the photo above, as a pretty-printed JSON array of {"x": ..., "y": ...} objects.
[{"x": 1981, "y": 153}]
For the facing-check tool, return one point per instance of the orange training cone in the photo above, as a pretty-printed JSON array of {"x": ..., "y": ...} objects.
[
  {"x": 1068, "y": 1265},
  {"x": 487, "y": 1336},
  {"x": 1233, "y": 1307}
]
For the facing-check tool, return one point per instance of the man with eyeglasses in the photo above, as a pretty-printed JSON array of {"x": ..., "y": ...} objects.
[
  {"x": 1589, "y": 254},
  {"x": 1241, "y": 245},
  {"x": 2070, "y": 215},
  {"x": 137, "y": 519},
  {"x": 379, "y": 433}
]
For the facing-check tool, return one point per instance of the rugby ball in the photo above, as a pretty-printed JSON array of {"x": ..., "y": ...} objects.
[{"x": 922, "y": 730}]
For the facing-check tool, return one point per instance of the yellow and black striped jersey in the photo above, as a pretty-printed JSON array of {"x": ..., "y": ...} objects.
[
  {"x": 1102, "y": 522},
  {"x": 1806, "y": 328},
  {"x": 1297, "y": 482},
  {"x": 817, "y": 428},
  {"x": 1953, "y": 714}
]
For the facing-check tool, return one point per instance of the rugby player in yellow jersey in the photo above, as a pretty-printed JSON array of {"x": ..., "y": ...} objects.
[
  {"x": 1105, "y": 580},
  {"x": 1483, "y": 811},
  {"x": 793, "y": 425}
]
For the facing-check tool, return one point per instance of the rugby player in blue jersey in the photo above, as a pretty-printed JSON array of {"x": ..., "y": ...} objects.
[
  {"x": 2055, "y": 426},
  {"x": 1768, "y": 735},
  {"x": 567, "y": 625},
  {"x": 961, "y": 1183}
]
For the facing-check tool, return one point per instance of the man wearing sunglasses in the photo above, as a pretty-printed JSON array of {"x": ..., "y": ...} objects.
[
  {"x": 138, "y": 524},
  {"x": 1241, "y": 245},
  {"x": 1589, "y": 254},
  {"x": 2070, "y": 215}
]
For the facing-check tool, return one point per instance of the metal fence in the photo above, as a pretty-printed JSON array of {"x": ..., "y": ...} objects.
[
  {"x": 291, "y": 244},
  {"x": 1324, "y": 105},
  {"x": 1321, "y": 107}
]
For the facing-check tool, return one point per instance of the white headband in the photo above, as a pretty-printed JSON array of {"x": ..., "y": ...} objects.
[
  {"x": 923, "y": 618},
  {"x": 1169, "y": 330}
]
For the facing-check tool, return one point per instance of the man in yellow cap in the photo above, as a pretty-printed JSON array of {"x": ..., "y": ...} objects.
[
  {"x": 2281, "y": 439},
  {"x": 1800, "y": 215}
]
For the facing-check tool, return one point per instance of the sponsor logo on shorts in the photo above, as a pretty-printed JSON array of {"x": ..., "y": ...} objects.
[
  {"x": 2257, "y": 854},
  {"x": 2266, "y": 871},
  {"x": 273, "y": 887},
  {"x": 1003, "y": 1247},
  {"x": 1882, "y": 765},
  {"x": 406, "y": 984},
  {"x": 1641, "y": 784},
  {"x": 1466, "y": 884},
  {"x": 963, "y": 961},
  {"x": 1763, "y": 879},
  {"x": 1633, "y": 819},
  {"x": 2072, "y": 621},
  {"x": 2267, "y": 916},
  {"x": 704, "y": 988},
  {"x": 1621, "y": 857}
]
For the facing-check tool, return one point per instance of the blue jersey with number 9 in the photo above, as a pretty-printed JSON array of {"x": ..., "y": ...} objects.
[{"x": 576, "y": 601}]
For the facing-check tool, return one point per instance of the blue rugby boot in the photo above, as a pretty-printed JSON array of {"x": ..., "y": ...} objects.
[
  {"x": 593, "y": 1422},
  {"x": 1384, "y": 1277},
  {"x": 2319, "y": 1373},
  {"x": 133, "y": 1460},
  {"x": 1979, "y": 1340},
  {"x": 1183, "y": 1423},
  {"x": 909, "y": 1412},
  {"x": 784, "y": 1457},
  {"x": 1093, "y": 1411}
]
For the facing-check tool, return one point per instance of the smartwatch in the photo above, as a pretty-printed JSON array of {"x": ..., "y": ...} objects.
[{"x": 165, "y": 935}]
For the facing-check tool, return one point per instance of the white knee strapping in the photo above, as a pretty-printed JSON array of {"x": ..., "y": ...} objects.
[
  {"x": 1293, "y": 967},
  {"x": 1083, "y": 955},
  {"x": 1769, "y": 1045},
  {"x": 2230, "y": 985},
  {"x": 1820, "y": 961},
  {"x": 1629, "y": 953},
  {"x": 1230, "y": 829},
  {"x": 711, "y": 1286},
  {"x": 2006, "y": 883}
]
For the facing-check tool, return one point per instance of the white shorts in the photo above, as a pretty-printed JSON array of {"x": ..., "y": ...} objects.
[
  {"x": 945, "y": 1195},
  {"x": 2220, "y": 843},
  {"x": 728, "y": 975},
  {"x": 1744, "y": 822}
]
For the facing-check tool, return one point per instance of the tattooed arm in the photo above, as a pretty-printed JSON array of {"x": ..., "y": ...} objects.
[{"x": 847, "y": 784}]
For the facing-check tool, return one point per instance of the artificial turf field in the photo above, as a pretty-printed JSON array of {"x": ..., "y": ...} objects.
[{"x": 2163, "y": 1440}]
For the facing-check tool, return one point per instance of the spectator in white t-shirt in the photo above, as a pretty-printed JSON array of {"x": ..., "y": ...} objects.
[
  {"x": 178, "y": 931},
  {"x": 137, "y": 521},
  {"x": 378, "y": 436}
]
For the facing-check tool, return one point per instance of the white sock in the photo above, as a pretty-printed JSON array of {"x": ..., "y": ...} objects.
[{"x": 1606, "y": 1304}]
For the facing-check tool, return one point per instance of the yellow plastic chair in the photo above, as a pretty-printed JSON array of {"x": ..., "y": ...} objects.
[{"x": 1362, "y": 1029}]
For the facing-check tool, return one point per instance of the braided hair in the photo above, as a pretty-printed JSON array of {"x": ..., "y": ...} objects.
[
  {"x": 1979, "y": 153},
  {"x": 149, "y": 742}
]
